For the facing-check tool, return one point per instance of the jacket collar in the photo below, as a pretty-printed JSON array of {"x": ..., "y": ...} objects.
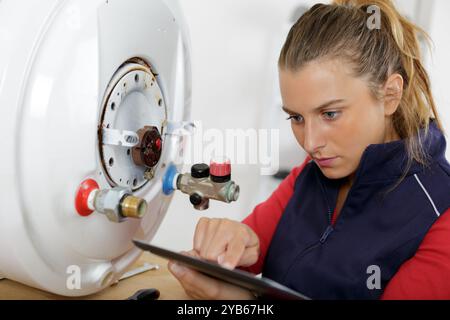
[{"x": 388, "y": 161}]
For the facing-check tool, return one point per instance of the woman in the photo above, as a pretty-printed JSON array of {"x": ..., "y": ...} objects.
[{"x": 364, "y": 216}]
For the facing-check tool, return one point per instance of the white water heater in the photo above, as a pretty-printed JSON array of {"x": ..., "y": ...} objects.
[{"x": 92, "y": 94}]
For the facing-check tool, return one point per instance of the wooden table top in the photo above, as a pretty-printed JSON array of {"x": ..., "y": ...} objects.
[{"x": 162, "y": 279}]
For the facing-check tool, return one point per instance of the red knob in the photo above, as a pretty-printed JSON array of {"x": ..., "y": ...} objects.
[
  {"x": 220, "y": 169},
  {"x": 81, "y": 199}
]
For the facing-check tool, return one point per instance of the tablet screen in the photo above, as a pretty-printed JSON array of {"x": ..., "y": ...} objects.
[{"x": 265, "y": 288}]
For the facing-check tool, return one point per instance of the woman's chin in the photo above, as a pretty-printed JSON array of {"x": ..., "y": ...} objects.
[{"x": 334, "y": 173}]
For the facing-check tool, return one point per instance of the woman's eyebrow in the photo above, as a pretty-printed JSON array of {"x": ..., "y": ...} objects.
[
  {"x": 288, "y": 111},
  {"x": 322, "y": 106},
  {"x": 329, "y": 103}
]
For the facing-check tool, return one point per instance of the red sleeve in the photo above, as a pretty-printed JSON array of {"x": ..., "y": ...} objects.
[
  {"x": 264, "y": 218},
  {"x": 426, "y": 275}
]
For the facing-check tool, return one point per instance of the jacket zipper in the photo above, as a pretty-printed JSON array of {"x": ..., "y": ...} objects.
[
  {"x": 321, "y": 241},
  {"x": 326, "y": 234},
  {"x": 329, "y": 230}
]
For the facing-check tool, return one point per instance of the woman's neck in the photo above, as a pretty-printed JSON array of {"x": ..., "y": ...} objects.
[{"x": 391, "y": 134}]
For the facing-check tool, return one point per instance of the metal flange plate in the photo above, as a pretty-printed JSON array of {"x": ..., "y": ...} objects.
[{"x": 134, "y": 100}]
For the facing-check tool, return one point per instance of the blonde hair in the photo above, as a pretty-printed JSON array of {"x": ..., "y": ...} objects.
[{"x": 340, "y": 30}]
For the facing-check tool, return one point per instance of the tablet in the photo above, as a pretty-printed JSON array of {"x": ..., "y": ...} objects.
[{"x": 263, "y": 287}]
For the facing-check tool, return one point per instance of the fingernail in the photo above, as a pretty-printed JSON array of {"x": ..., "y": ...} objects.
[
  {"x": 177, "y": 269},
  {"x": 226, "y": 265}
]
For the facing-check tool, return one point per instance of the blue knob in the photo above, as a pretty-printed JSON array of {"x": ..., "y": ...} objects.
[{"x": 168, "y": 180}]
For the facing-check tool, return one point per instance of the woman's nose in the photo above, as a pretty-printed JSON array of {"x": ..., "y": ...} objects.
[{"x": 313, "y": 139}]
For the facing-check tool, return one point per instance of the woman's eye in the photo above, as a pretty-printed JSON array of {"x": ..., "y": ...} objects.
[
  {"x": 297, "y": 118},
  {"x": 331, "y": 115}
]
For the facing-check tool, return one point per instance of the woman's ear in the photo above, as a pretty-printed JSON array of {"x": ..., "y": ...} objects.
[{"x": 393, "y": 92}]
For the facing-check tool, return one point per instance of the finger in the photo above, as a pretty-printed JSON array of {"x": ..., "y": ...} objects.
[
  {"x": 208, "y": 237},
  {"x": 189, "y": 289},
  {"x": 177, "y": 273},
  {"x": 195, "y": 283},
  {"x": 252, "y": 250},
  {"x": 193, "y": 253},
  {"x": 242, "y": 250},
  {"x": 219, "y": 243},
  {"x": 200, "y": 231},
  {"x": 234, "y": 251},
  {"x": 250, "y": 257}
]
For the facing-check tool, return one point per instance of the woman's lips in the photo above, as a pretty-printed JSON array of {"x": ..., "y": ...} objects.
[{"x": 325, "y": 162}]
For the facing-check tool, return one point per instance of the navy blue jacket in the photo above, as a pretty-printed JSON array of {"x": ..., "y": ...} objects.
[{"x": 375, "y": 229}]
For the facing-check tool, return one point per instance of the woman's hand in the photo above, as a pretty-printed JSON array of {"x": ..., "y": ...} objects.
[
  {"x": 227, "y": 242},
  {"x": 202, "y": 287}
]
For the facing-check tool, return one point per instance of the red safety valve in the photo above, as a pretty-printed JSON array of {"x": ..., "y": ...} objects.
[
  {"x": 82, "y": 198},
  {"x": 220, "y": 170}
]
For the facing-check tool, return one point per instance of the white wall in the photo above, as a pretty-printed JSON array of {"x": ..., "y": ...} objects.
[
  {"x": 438, "y": 64},
  {"x": 235, "y": 46}
]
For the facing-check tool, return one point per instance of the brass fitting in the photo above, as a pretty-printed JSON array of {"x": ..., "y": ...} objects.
[
  {"x": 118, "y": 204},
  {"x": 133, "y": 207}
]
